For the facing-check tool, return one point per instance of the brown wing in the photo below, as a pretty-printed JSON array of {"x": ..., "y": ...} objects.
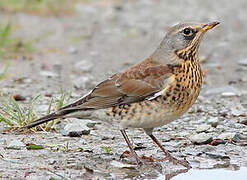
[{"x": 133, "y": 85}]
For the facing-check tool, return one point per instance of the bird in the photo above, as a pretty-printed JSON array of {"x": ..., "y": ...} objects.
[{"x": 152, "y": 93}]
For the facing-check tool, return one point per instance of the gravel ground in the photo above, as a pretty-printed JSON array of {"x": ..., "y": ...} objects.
[{"x": 76, "y": 52}]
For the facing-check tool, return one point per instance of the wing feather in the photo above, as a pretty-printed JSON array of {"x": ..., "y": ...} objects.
[{"x": 136, "y": 84}]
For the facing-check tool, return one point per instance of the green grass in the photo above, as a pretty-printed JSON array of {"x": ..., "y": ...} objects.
[
  {"x": 11, "y": 47},
  {"x": 38, "y": 7},
  {"x": 107, "y": 149},
  {"x": 63, "y": 99},
  {"x": 60, "y": 101},
  {"x": 14, "y": 114}
]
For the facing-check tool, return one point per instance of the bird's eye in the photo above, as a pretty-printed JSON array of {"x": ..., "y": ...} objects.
[{"x": 188, "y": 31}]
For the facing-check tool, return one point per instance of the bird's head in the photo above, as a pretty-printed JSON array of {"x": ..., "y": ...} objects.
[{"x": 184, "y": 39}]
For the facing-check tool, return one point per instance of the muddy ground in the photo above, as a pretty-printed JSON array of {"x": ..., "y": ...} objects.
[{"x": 77, "y": 51}]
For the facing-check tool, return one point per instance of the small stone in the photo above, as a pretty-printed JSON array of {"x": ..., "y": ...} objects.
[
  {"x": 183, "y": 134},
  {"x": 72, "y": 50},
  {"x": 122, "y": 165},
  {"x": 221, "y": 127},
  {"x": 243, "y": 62},
  {"x": 208, "y": 148},
  {"x": 213, "y": 121},
  {"x": 84, "y": 66},
  {"x": 240, "y": 137},
  {"x": 201, "y": 138},
  {"x": 105, "y": 138},
  {"x": 244, "y": 122},
  {"x": 217, "y": 155},
  {"x": 236, "y": 112},
  {"x": 19, "y": 97},
  {"x": 192, "y": 152},
  {"x": 239, "y": 126},
  {"x": 227, "y": 135},
  {"x": 75, "y": 130},
  {"x": 203, "y": 59},
  {"x": 48, "y": 74},
  {"x": 228, "y": 94},
  {"x": 15, "y": 144},
  {"x": 91, "y": 124},
  {"x": 202, "y": 128},
  {"x": 51, "y": 161}
]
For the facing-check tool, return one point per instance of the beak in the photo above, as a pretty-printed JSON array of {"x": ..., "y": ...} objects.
[{"x": 208, "y": 26}]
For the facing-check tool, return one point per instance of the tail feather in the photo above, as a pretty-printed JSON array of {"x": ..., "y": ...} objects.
[{"x": 43, "y": 120}]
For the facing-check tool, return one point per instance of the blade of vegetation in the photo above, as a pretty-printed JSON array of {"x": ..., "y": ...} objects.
[
  {"x": 34, "y": 147},
  {"x": 15, "y": 114}
]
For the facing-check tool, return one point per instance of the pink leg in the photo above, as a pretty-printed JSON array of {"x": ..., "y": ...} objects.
[{"x": 168, "y": 155}]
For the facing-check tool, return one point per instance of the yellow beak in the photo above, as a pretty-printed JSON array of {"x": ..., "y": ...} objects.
[{"x": 208, "y": 26}]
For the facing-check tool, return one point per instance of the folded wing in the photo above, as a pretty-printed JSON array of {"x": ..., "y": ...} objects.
[{"x": 133, "y": 85}]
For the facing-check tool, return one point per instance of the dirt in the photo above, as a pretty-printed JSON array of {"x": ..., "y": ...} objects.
[{"x": 111, "y": 36}]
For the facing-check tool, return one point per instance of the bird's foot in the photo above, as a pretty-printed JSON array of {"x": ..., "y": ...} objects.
[
  {"x": 150, "y": 160},
  {"x": 174, "y": 160},
  {"x": 139, "y": 160}
]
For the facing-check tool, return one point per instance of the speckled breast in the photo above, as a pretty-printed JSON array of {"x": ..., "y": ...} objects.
[{"x": 176, "y": 98}]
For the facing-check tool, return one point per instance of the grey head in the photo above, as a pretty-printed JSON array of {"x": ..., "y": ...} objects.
[{"x": 182, "y": 37}]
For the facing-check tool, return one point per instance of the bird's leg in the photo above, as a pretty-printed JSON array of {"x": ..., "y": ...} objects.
[
  {"x": 130, "y": 147},
  {"x": 168, "y": 155}
]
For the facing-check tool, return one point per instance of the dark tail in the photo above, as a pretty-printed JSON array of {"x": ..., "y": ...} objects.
[
  {"x": 43, "y": 120},
  {"x": 60, "y": 113}
]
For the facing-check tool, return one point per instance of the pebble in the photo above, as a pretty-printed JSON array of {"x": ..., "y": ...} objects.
[
  {"x": 244, "y": 122},
  {"x": 122, "y": 165},
  {"x": 202, "y": 128},
  {"x": 48, "y": 74},
  {"x": 226, "y": 135},
  {"x": 236, "y": 112},
  {"x": 192, "y": 152},
  {"x": 184, "y": 134},
  {"x": 221, "y": 128},
  {"x": 72, "y": 50},
  {"x": 19, "y": 97},
  {"x": 15, "y": 144},
  {"x": 215, "y": 155},
  {"x": 201, "y": 138},
  {"x": 243, "y": 62},
  {"x": 213, "y": 121},
  {"x": 75, "y": 129},
  {"x": 228, "y": 94},
  {"x": 239, "y": 126},
  {"x": 239, "y": 137},
  {"x": 51, "y": 161},
  {"x": 208, "y": 148},
  {"x": 203, "y": 59},
  {"x": 84, "y": 66}
]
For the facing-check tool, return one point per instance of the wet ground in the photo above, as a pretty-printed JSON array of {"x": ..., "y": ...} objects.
[{"x": 78, "y": 51}]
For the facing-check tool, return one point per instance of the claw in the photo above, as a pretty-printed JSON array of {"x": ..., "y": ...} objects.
[
  {"x": 146, "y": 158},
  {"x": 125, "y": 154},
  {"x": 184, "y": 163}
]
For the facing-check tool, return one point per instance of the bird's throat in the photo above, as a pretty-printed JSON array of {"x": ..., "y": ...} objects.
[{"x": 188, "y": 54}]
